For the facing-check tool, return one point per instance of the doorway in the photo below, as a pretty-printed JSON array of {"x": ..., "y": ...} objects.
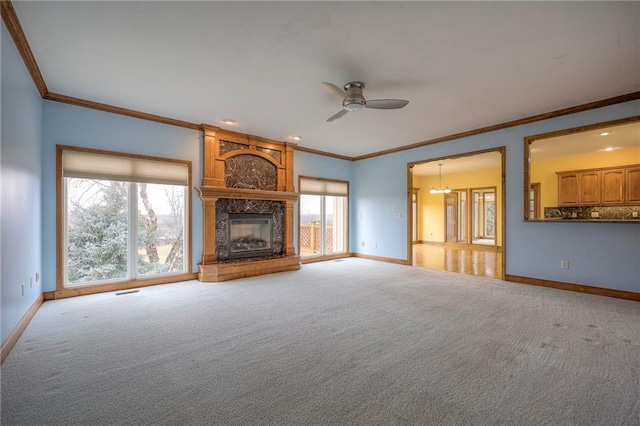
[{"x": 459, "y": 229}]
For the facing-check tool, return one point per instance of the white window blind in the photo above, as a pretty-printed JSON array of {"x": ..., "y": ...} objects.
[
  {"x": 88, "y": 165},
  {"x": 313, "y": 186}
]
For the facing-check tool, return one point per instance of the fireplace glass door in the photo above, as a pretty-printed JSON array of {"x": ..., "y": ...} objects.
[{"x": 250, "y": 235}]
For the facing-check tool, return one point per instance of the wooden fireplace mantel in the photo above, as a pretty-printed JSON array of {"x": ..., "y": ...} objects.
[
  {"x": 214, "y": 187},
  {"x": 214, "y": 192}
]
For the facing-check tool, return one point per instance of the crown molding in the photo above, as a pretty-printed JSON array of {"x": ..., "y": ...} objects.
[
  {"x": 15, "y": 29},
  {"x": 527, "y": 120},
  {"x": 56, "y": 97},
  {"x": 17, "y": 34},
  {"x": 324, "y": 153}
]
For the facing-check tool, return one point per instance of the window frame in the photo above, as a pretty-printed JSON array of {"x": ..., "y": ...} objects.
[
  {"x": 326, "y": 183},
  {"x": 473, "y": 216},
  {"x": 558, "y": 135},
  {"x": 139, "y": 281}
]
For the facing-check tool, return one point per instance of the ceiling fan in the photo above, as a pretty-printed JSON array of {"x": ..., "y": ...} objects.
[{"x": 353, "y": 100}]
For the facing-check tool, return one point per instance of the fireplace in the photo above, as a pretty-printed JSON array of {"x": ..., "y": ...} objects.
[
  {"x": 248, "y": 198},
  {"x": 250, "y": 235}
]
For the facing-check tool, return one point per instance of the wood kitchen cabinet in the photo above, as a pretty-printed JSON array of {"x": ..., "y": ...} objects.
[
  {"x": 599, "y": 187},
  {"x": 632, "y": 178},
  {"x": 612, "y": 191},
  {"x": 568, "y": 189},
  {"x": 578, "y": 188},
  {"x": 589, "y": 187}
]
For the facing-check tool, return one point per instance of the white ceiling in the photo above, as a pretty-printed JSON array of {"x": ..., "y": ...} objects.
[
  {"x": 588, "y": 142},
  {"x": 462, "y": 65}
]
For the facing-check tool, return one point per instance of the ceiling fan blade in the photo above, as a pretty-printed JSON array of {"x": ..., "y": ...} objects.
[
  {"x": 332, "y": 88},
  {"x": 386, "y": 103},
  {"x": 337, "y": 115}
]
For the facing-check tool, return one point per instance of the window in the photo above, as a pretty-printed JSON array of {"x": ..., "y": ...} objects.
[
  {"x": 121, "y": 218},
  {"x": 323, "y": 217},
  {"x": 484, "y": 216},
  {"x": 480, "y": 215}
]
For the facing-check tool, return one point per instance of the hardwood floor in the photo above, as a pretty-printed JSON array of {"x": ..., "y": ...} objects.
[{"x": 468, "y": 260}]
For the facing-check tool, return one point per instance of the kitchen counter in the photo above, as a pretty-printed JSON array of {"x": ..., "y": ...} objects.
[
  {"x": 588, "y": 214},
  {"x": 594, "y": 220}
]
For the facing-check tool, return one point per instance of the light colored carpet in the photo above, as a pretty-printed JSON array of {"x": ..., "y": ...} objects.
[{"x": 347, "y": 342}]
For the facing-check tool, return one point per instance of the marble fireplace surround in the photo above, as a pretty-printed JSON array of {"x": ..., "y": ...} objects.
[{"x": 248, "y": 175}]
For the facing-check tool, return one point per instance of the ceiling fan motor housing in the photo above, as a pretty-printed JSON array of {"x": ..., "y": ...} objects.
[{"x": 354, "y": 100}]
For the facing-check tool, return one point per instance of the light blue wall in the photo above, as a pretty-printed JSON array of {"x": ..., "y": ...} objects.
[
  {"x": 604, "y": 255},
  {"x": 21, "y": 118},
  {"x": 600, "y": 254},
  {"x": 320, "y": 166},
  {"x": 70, "y": 125},
  {"x": 380, "y": 207}
]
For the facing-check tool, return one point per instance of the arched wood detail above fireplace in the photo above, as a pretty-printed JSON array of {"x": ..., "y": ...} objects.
[{"x": 225, "y": 150}]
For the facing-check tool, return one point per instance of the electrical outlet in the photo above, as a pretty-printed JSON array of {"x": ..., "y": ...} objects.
[
  {"x": 634, "y": 214},
  {"x": 399, "y": 215},
  {"x": 37, "y": 276},
  {"x": 595, "y": 214},
  {"x": 23, "y": 289},
  {"x": 564, "y": 264},
  {"x": 362, "y": 244},
  {"x": 375, "y": 245}
]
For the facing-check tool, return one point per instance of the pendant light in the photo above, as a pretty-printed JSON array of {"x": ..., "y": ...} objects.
[{"x": 440, "y": 189}]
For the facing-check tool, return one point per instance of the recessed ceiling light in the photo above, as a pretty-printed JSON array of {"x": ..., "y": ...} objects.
[
  {"x": 296, "y": 138},
  {"x": 609, "y": 148},
  {"x": 605, "y": 134},
  {"x": 228, "y": 121}
]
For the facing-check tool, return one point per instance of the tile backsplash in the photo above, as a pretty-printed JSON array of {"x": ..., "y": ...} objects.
[{"x": 599, "y": 212}]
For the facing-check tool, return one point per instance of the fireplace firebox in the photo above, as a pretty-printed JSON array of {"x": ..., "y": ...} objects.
[{"x": 250, "y": 235}]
